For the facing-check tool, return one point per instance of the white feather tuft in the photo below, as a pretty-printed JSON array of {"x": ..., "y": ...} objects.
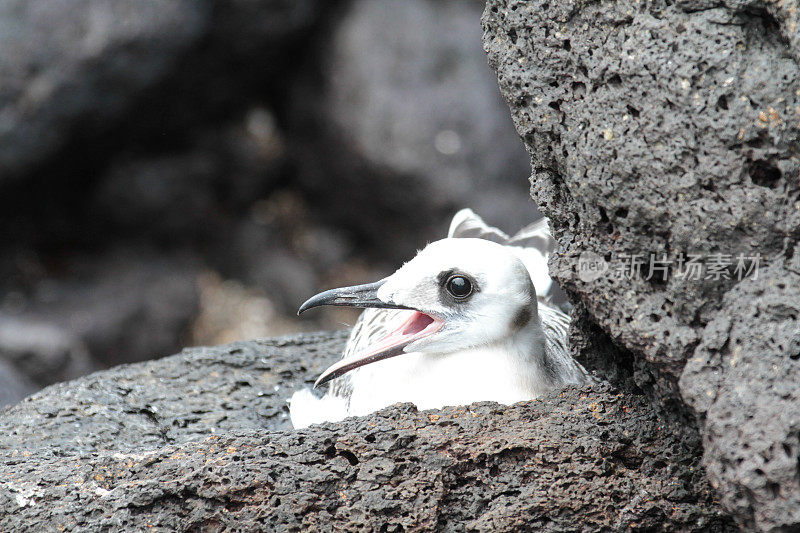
[{"x": 306, "y": 409}]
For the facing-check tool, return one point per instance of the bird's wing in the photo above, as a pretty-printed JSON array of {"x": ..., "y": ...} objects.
[
  {"x": 559, "y": 363},
  {"x": 555, "y": 326},
  {"x": 467, "y": 225},
  {"x": 536, "y": 235},
  {"x": 532, "y": 244},
  {"x": 372, "y": 326}
]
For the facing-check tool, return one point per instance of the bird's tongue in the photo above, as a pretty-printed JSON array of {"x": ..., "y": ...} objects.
[
  {"x": 408, "y": 331},
  {"x": 418, "y": 325}
]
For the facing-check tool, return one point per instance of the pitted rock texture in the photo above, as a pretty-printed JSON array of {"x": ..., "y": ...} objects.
[
  {"x": 174, "y": 399},
  {"x": 194, "y": 441},
  {"x": 672, "y": 128}
]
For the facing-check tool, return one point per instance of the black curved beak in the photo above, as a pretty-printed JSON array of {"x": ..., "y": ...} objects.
[{"x": 355, "y": 296}]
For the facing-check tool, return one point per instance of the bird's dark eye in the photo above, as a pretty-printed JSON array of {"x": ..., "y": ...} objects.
[{"x": 459, "y": 287}]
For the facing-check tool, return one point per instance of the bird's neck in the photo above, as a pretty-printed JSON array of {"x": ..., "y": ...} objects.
[
  {"x": 528, "y": 346},
  {"x": 528, "y": 341}
]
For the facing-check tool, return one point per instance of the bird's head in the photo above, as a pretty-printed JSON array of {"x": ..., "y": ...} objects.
[{"x": 460, "y": 293}]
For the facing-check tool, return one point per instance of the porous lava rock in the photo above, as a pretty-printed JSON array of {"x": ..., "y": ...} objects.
[
  {"x": 201, "y": 440},
  {"x": 671, "y": 129}
]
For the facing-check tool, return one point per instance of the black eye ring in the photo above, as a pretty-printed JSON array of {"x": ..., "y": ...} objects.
[{"x": 459, "y": 287}]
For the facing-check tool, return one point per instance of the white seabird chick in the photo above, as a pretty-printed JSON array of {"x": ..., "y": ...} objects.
[{"x": 459, "y": 323}]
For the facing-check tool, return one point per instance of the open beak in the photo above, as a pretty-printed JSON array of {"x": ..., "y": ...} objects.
[{"x": 417, "y": 326}]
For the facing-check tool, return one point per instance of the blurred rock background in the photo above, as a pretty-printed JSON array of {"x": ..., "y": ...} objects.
[{"x": 182, "y": 172}]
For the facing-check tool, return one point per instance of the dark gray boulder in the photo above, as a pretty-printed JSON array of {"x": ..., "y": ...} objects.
[
  {"x": 172, "y": 400},
  {"x": 95, "y": 312},
  {"x": 406, "y": 118},
  {"x": 127, "y": 305},
  {"x": 672, "y": 129},
  {"x": 14, "y": 385},
  {"x": 68, "y": 64},
  {"x": 200, "y": 440},
  {"x": 42, "y": 351}
]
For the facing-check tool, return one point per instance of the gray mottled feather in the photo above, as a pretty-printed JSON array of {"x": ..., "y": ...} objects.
[{"x": 559, "y": 364}]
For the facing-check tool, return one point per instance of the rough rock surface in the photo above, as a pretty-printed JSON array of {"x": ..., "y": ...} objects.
[
  {"x": 672, "y": 128},
  {"x": 194, "y": 441}
]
